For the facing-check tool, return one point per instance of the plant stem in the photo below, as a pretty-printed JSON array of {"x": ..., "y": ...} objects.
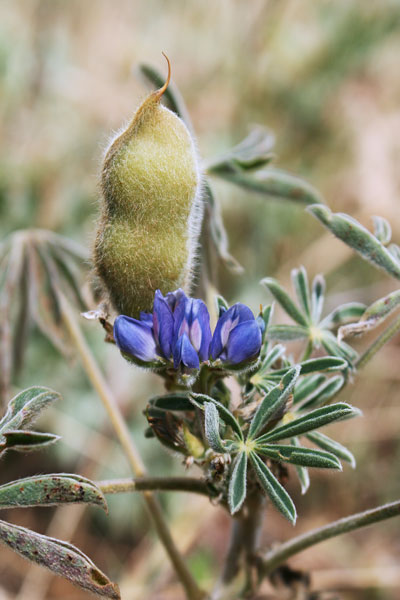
[
  {"x": 378, "y": 343},
  {"x": 165, "y": 484},
  {"x": 276, "y": 557},
  {"x": 99, "y": 383}
]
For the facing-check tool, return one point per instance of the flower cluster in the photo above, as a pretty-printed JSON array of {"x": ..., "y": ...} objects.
[{"x": 178, "y": 331}]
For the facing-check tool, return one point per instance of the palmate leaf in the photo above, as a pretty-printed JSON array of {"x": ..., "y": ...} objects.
[
  {"x": 325, "y": 442},
  {"x": 49, "y": 490},
  {"x": 225, "y": 414},
  {"x": 352, "y": 233},
  {"x": 60, "y": 557},
  {"x": 297, "y": 455},
  {"x": 276, "y": 492},
  {"x": 238, "y": 483},
  {"x": 310, "y": 421},
  {"x": 273, "y": 402}
]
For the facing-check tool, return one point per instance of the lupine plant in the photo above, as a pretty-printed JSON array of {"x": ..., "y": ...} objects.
[{"x": 241, "y": 403}]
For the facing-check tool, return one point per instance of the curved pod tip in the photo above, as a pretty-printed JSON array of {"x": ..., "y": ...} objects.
[{"x": 162, "y": 89}]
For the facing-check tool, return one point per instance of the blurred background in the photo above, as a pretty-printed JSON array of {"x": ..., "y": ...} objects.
[{"x": 324, "y": 77}]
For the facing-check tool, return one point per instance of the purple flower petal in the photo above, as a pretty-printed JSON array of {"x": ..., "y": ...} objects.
[
  {"x": 200, "y": 331},
  {"x": 244, "y": 342},
  {"x": 135, "y": 337},
  {"x": 163, "y": 324},
  {"x": 185, "y": 353},
  {"x": 230, "y": 319}
]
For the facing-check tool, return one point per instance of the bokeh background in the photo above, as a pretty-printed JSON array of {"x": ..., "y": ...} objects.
[{"x": 324, "y": 77}]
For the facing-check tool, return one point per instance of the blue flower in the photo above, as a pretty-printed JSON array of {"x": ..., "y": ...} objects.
[
  {"x": 237, "y": 336},
  {"x": 178, "y": 330}
]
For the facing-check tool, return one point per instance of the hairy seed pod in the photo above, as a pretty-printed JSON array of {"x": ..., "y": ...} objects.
[{"x": 151, "y": 208}]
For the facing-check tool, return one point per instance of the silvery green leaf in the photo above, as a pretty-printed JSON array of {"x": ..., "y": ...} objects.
[
  {"x": 269, "y": 181},
  {"x": 310, "y": 421},
  {"x": 284, "y": 300},
  {"x": 252, "y": 153},
  {"x": 217, "y": 231},
  {"x": 394, "y": 250},
  {"x": 60, "y": 557},
  {"x": 26, "y": 441},
  {"x": 271, "y": 357},
  {"x": 346, "y": 312},
  {"x": 373, "y": 316},
  {"x": 297, "y": 455},
  {"x": 323, "y": 363},
  {"x": 300, "y": 284},
  {"x": 317, "y": 297},
  {"x": 211, "y": 426},
  {"x": 302, "y": 472},
  {"x": 273, "y": 402},
  {"x": 266, "y": 314},
  {"x": 49, "y": 490},
  {"x": 273, "y": 488},
  {"x": 237, "y": 483},
  {"x": 325, "y": 442},
  {"x": 25, "y": 407},
  {"x": 173, "y": 401},
  {"x": 382, "y": 230},
  {"x": 332, "y": 347},
  {"x": 307, "y": 386},
  {"x": 325, "y": 392},
  {"x": 352, "y": 233},
  {"x": 287, "y": 333},
  {"x": 224, "y": 413}
]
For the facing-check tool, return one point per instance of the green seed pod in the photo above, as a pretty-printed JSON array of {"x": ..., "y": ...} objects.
[{"x": 151, "y": 208}]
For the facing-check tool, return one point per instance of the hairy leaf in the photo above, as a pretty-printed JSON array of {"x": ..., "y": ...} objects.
[
  {"x": 312, "y": 420},
  {"x": 287, "y": 333},
  {"x": 300, "y": 284},
  {"x": 211, "y": 425},
  {"x": 325, "y": 392},
  {"x": 346, "y": 312},
  {"x": 352, "y": 233},
  {"x": 284, "y": 300},
  {"x": 325, "y": 442},
  {"x": 224, "y": 413},
  {"x": 48, "y": 490},
  {"x": 174, "y": 401},
  {"x": 26, "y": 441},
  {"x": 382, "y": 230},
  {"x": 302, "y": 472},
  {"x": 273, "y": 402},
  {"x": 273, "y": 488},
  {"x": 25, "y": 407},
  {"x": 298, "y": 455},
  {"x": 60, "y": 557},
  {"x": 307, "y": 386},
  {"x": 317, "y": 297},
  {"x": 373, "y": 316},
  {"x": 237, "y": 483}
]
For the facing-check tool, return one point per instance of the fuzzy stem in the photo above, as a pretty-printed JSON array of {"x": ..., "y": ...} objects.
[
  {"x": 276, "y": 557},
  {"x": 99, "y": 383},
  {"x": 378, "y": 343},
  {"x": 162, "y": 484}
]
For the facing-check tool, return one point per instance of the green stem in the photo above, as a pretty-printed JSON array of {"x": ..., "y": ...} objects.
[
  {"x": 162, "y": 484},
  {"x": 378, "y": 343},
  {"x": 99, "y": 383},
  {"x": 276, "y": 557}
]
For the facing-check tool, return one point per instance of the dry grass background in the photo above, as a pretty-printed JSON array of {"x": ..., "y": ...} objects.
[{"x": 324, "y": 76}]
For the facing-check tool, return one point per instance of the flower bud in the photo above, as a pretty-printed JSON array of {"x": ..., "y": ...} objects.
[{"x": 151, "y": 208}]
